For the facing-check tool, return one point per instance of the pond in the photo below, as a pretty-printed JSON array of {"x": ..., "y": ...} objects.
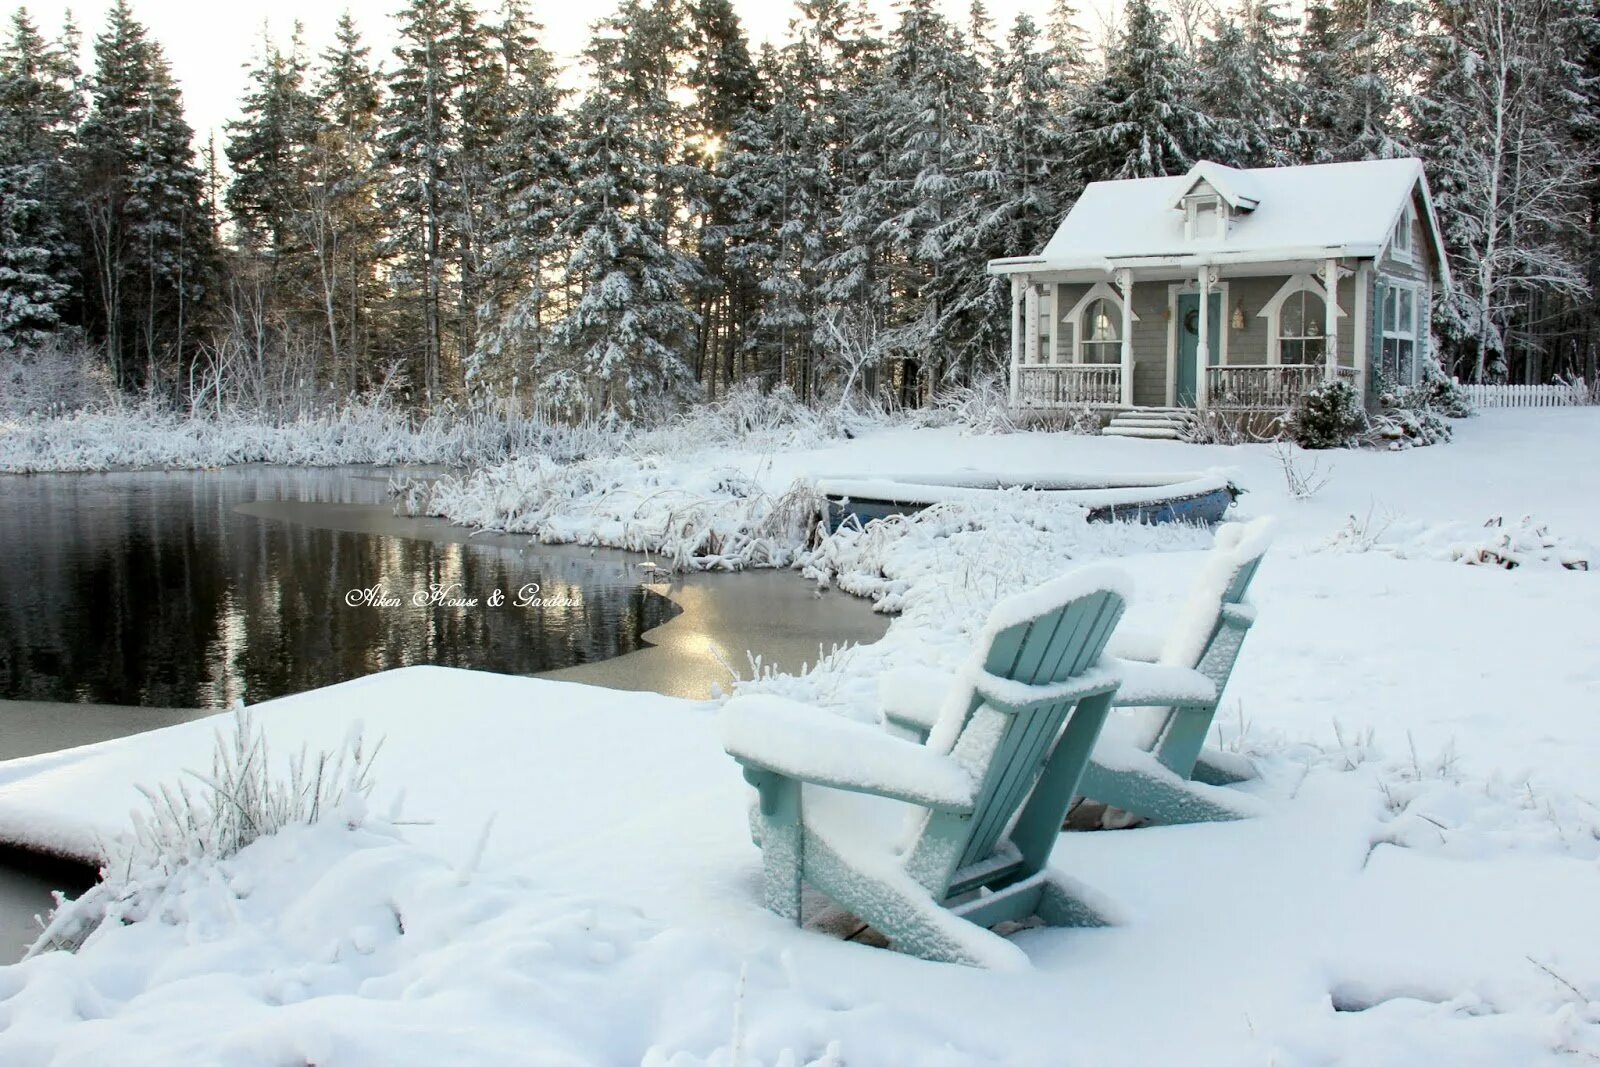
[
  {"x": 134, "y": 600},
  {"x": 194, "y": 589}
]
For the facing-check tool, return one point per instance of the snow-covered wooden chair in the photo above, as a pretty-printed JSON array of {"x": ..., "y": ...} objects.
[
  {"x": 1152, "y": 762},
  {"x": 931, "y": 843}
]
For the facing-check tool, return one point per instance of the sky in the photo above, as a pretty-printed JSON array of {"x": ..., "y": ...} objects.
[{"x": 209, "y": 45}]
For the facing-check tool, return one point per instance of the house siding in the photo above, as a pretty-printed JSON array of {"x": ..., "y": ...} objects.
[{"x": 1251, "y": 345}]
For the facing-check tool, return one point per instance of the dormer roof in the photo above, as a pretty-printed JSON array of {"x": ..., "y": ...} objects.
[{"x": 1237, "y": 187}]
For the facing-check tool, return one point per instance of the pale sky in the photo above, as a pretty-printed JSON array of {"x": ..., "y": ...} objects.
[{"x": 210, "y": 44}]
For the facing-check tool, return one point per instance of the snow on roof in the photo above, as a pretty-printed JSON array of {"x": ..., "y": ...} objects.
[
  {"x": 1233, "y": 185},
  {"x": 1309, "y": 212}
]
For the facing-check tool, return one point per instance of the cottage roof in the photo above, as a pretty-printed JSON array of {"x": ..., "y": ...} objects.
[{"x": 1280, "y": 213}]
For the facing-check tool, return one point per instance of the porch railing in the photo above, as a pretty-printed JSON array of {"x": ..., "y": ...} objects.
[
  {"x": 1265, "y": 387},
  {"x": 1070, "y": 385}
]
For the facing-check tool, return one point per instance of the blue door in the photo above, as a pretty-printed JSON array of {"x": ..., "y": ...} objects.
[{"x": 1189, "y": 342}]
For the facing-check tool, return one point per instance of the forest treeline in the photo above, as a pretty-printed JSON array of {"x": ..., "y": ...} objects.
[{"x": 453, "y": 221}]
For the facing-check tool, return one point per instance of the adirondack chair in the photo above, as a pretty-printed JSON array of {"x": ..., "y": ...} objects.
[
  {"x": 1151, "y": 762},
  {"x": 933, "y": 843}
]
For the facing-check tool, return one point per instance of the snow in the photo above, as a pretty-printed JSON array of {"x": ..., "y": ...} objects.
[
  {"x": 801, "y": 742},
  {"x": 1417, "y": 889},
  {"x": 1330, "y": 209}
]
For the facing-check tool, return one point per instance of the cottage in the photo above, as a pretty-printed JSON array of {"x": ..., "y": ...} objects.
[{"x": 1148, "y": 280}]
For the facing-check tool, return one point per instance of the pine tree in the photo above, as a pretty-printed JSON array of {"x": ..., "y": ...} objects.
[
  {"x": 267, "y": 150},
  {"x": 39, "y": 105},
  {"x": 725, "y": 86},
  {"x": 530, "y": 170},
  {"x": 342, "y": 218},
  {"x": 1317, "y": 93},
  {"x": 1138, "y": 120},
  {"x": 149, "y": 252},
  {"x": 1239, "y": 66},
  {"x": 628, "y": 331}
]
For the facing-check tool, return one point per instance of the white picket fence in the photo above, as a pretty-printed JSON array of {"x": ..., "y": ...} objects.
[{"x": 1524, "y": 396}]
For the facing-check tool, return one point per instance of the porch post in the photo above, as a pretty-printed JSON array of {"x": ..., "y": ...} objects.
[
  {"x": 1016, "y": 340},
  {"x": 1330, "y": 310},
  {"x": 1030, "y": 325},
  {"x": 1203, "y": 350},
  {"x": 1125, "y": 283},
  {"x": 1361, "y": 327}
]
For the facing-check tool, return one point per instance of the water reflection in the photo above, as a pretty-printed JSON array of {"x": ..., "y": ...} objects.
[{"x": 151, "y": 588}]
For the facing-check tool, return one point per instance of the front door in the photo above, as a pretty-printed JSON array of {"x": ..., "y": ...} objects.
[{"x": 1189, "y": 342}]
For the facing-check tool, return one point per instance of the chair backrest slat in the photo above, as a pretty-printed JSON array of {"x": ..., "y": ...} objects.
[{"x": 1050, "y": 648}]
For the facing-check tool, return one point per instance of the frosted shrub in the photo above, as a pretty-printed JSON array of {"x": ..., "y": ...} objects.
[
  {"x": 1328, "y": 415},
  {"x": 58, "y": 376},
  {"x": 983, "y": 407},
  {"x": 191, "y": 825}
]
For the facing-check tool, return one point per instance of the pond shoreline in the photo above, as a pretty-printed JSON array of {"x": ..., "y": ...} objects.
[{"x": 773, "y": 613}]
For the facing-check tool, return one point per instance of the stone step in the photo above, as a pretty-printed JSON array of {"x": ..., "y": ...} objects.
[
  {"x": 1148, "y": 433},
  {"x": 1145, "y": 421}
]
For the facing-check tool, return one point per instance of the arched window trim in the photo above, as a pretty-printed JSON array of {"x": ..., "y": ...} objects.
[
  {"x": 1097, "y": 291},
  {"x": 1299, "y": 283}
]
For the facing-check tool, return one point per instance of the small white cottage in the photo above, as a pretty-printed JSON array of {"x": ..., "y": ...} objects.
[{"x": 1270, "y": 279}]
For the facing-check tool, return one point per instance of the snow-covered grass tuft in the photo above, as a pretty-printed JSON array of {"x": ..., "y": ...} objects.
[
  {"x": 191, "y": 825},
  {"x": 691, "y": 517},
  {"x": 1495, "y": 543}
]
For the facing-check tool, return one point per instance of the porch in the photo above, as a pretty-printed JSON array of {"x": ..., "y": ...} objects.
[
  {"x": 1235, "y": 387},
  {"x": 1249, "y": 337}
]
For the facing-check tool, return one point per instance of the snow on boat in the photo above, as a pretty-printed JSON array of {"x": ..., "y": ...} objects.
[{"x": 1191, "y": 498}]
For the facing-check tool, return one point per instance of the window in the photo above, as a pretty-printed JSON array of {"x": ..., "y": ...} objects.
[
  {"x": 1399, "y": 328},
  {"x": 1101, "y": 331},
  {"x": 1301, "y": 319},
  {"x": 1205, "y": 217},
  {"x": 1047, "y": 300},
  {"x": 1401, "y": 244}
]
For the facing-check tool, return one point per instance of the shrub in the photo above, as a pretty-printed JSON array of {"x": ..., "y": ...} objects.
[
  {"x": 1409, "y": 428},
  {"x": 1328, "y": 415}
]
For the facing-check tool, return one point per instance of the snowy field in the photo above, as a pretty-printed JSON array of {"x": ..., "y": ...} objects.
[{"x": 549, "y": 873}]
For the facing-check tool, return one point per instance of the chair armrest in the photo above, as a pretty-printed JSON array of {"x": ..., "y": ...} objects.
[
  {"x": 785, "y": 737},
  {"x": 911, "y": 700},
  {"x": 1150, "y": 685},
  {"x": 1139, "y": 646}
]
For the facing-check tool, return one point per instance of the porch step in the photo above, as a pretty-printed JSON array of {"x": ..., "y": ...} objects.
[
  {"x": 1146, "y": 432},
  {"x": 1151, "y": 424}
]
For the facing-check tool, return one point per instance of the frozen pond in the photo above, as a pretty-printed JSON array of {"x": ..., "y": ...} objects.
[
  {"x": 131, "y": 601},
  {"x": 155, "y": 589}
]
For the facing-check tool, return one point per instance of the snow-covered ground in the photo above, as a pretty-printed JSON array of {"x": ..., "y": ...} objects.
[{"x": 1422, "y": 891}]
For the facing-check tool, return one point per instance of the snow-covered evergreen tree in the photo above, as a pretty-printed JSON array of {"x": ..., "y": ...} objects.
[
  {"x": 1241, "y": 66},
  {"x": 1140, "y": 118},
  {"x": 147, "y": 238},
  {"x": 531, "y": 168},
  {"x": 628, "y": 331},
  {"x": 342, "y": 219},
  {"x": 39, "y": 106}
]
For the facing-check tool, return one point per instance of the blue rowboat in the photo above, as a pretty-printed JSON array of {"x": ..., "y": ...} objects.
[{"x": 1201, "y": 499}]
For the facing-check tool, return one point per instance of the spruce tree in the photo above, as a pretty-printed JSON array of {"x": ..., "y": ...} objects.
[
  {"x": 627, "y": 334},
  {"x": 530, "y": 171},
  {"x": 343, "y": 219},
  {"x": 149, "y": 257},
  {"x": 39, "y": 106},
  {"x": 1138, "y": 120}
]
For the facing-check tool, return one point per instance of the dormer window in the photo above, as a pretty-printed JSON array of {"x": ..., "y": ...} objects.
[
  {"x": 1207, "y": 217},
  {"x": 1400, "y": 245}
]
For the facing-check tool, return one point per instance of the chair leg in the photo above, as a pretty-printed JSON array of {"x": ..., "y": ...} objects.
[
  {"x": 782, "y": 844},
  {"x": 1183, "y": 738},
  {"x": 904, "y": 912},
  {"x": 1155, "y": 793}
]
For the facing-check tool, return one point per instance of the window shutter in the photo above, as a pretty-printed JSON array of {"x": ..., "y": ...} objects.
[
  {"x": 1375, "y": 366},
  {"x": 1424, "y": 329}
]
